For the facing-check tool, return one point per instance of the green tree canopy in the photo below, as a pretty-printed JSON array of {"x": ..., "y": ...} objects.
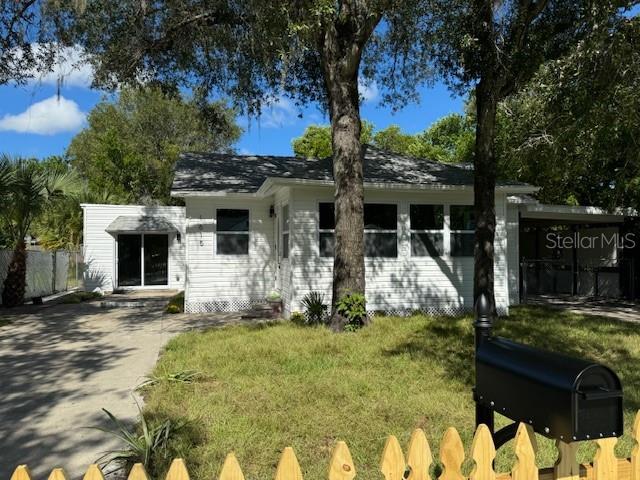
[
  {"x": 449, "y": 139},
  {"x": 130, "y": 145},
  {"x": 315, "y": 142},
  {"x": 574, "y": 129}
]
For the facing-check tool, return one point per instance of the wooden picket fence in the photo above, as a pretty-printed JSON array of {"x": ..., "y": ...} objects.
[{"x": 415, "y": 466}]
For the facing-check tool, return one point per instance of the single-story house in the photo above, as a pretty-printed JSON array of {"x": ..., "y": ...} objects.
[{"x": 256, "y": 224}]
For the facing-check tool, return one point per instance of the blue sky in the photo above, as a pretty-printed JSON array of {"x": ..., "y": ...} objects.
[{"x": 35, "y": 122}]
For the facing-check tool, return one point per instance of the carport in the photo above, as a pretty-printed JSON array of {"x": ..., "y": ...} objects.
[{"x": 578, "y": 251}]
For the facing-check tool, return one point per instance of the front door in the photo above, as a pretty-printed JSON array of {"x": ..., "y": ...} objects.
[
  {"x": 143, "y": 260},
  {"x": 156, "y": 256}
]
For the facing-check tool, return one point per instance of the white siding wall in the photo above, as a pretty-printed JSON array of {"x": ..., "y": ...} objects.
[
  {"x": 228, "y": 282},
  {"x": 100, "y": 246},
  {"x": 399, "y": 284},
  {"x": 513, "y": 253}
]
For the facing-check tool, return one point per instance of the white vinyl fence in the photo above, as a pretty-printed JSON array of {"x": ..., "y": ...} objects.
[{"x": 47, "y": 272}]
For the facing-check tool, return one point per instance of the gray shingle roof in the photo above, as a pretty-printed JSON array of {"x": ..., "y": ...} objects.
[
  {"x": 133, "y": 223},
  {"x": 214, "y": 172}
]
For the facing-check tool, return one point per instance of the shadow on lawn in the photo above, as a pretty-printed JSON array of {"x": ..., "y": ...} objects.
[{"x": 450, "y": 343}]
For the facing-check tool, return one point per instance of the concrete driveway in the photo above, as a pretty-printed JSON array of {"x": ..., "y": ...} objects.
[{"x": 61, "y": 364}]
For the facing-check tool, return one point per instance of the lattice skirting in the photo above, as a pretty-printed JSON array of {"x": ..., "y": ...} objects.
[
  {"x": 222, "y": 305},
  {"x": 444, "y": 310}
]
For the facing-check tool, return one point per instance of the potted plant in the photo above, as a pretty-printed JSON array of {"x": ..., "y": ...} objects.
[{"x": 274, "y": 299}]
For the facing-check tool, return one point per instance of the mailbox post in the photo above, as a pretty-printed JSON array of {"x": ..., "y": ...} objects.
[{"x": 482, "y": 328}]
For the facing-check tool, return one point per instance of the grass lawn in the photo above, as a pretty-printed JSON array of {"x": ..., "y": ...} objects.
[{"x": 269, "y": 386}]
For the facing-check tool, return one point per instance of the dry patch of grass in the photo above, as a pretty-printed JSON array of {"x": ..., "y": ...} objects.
[{"x": 265, "y": 387}]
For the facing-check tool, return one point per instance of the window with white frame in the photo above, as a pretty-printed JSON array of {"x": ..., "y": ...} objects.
[
  {"x": 463, "y": 225},
  {"x": 380, "y": 230},
  {"x": 427, "y": 230},
  {"x": 232, "y": 231},
  {"x": 285, "y": 231},
  {"x": 326, "y": 230}
]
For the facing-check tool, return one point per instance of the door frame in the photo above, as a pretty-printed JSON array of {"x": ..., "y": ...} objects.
[{"x": 142, "y": 286}]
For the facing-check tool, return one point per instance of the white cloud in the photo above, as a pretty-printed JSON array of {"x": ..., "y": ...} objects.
[
  {"x": 48, "y": 117},
  {"x": 71, "y": 68},
  {"x": 368, "y": 91},
  {"x": 280, "y": 112}
]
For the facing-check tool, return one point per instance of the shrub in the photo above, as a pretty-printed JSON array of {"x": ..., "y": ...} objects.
[
  {"x": 176, "y": 304},
  {"x": 298, "y": 318},
  {"x": 79, "y": 297},
  {"x": 146, "y": 444},
  {"x": 314, "y": 307},
  {"x": 353, "y": 307}
]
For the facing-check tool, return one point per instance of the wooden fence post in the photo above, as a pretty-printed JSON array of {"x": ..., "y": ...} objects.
[
  {"x": 177, "y": 470},
  {"x": 419, "y": 457},
  {"x": 21, "y": 473},
  {"x": 451, "y": 455},
  {"x": 231, "y": 469},
  {"x": 392, "y": 464},
  {"x": 566, "y": 467},
  {"x": 288, "y": 467},
  {"x": 525, "y": 467},
  {"x": 93, "y": 473},
  {"x": 605, "y": 463},
  {"x": 635, "y": 452},
  {"x": 483, "y": 453},
  {"x": 341, "y": 466}
]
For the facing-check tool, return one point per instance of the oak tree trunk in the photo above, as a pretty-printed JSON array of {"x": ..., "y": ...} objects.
[
  {"x": 16, "y": 280},
  {"x": 341, "y": 62},
  {"x": 484, "y": 190}
]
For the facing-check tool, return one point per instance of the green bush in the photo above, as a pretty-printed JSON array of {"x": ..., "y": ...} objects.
[
  {"x": 146, "y": 443},
  {"x": 79, "y": 297},
  {"x": 314, "y": 308},
  {"x": 298, "y": 318},
  {"x": 176, "y": 304},
  {"x": 353, "y": 307}
]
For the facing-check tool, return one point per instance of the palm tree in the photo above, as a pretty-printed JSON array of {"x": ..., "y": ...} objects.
[{"x": 29, "y": 190}]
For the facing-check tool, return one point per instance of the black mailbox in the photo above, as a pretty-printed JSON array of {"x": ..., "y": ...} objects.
[{"x": 559, "y": 396}]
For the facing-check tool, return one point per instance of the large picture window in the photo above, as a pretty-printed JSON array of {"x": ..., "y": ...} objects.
[
  {"x": 463, "y": 226},
  {"x": 427, "y": 225},
  {"x": 380, "y": 230},
  {"x": 232, "y": 227},
  {"x": 285, "y": 231}
]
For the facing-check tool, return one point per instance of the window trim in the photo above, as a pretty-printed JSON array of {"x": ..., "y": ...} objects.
[
  {"x": 431, "y": 230},
  {"x": 218, "y": 233},
  {"x": 453, "y": 231},
  {"x": 320, "y": 231},
  {"x": 285, "y": 229}
]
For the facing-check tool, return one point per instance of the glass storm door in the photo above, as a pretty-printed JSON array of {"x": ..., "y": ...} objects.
[
  {"x": 156, "y": 256},
  {"x": 129, "y": 260},
  {"x": 143, "y": 260}
]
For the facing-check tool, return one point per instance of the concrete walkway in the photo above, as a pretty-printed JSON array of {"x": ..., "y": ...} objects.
[
  {"x": 61, "y": 364},
  {"x": 617, "y": 309}
]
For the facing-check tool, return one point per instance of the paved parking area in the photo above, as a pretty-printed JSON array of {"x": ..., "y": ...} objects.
[
  {"x": 617, "y": 309},
  {"x": 61, "y": 364}
]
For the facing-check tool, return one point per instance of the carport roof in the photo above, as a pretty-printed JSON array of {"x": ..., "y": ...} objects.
[
  {"x": 140, "y": 224},
  {"x": 570, "y": 213}
]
